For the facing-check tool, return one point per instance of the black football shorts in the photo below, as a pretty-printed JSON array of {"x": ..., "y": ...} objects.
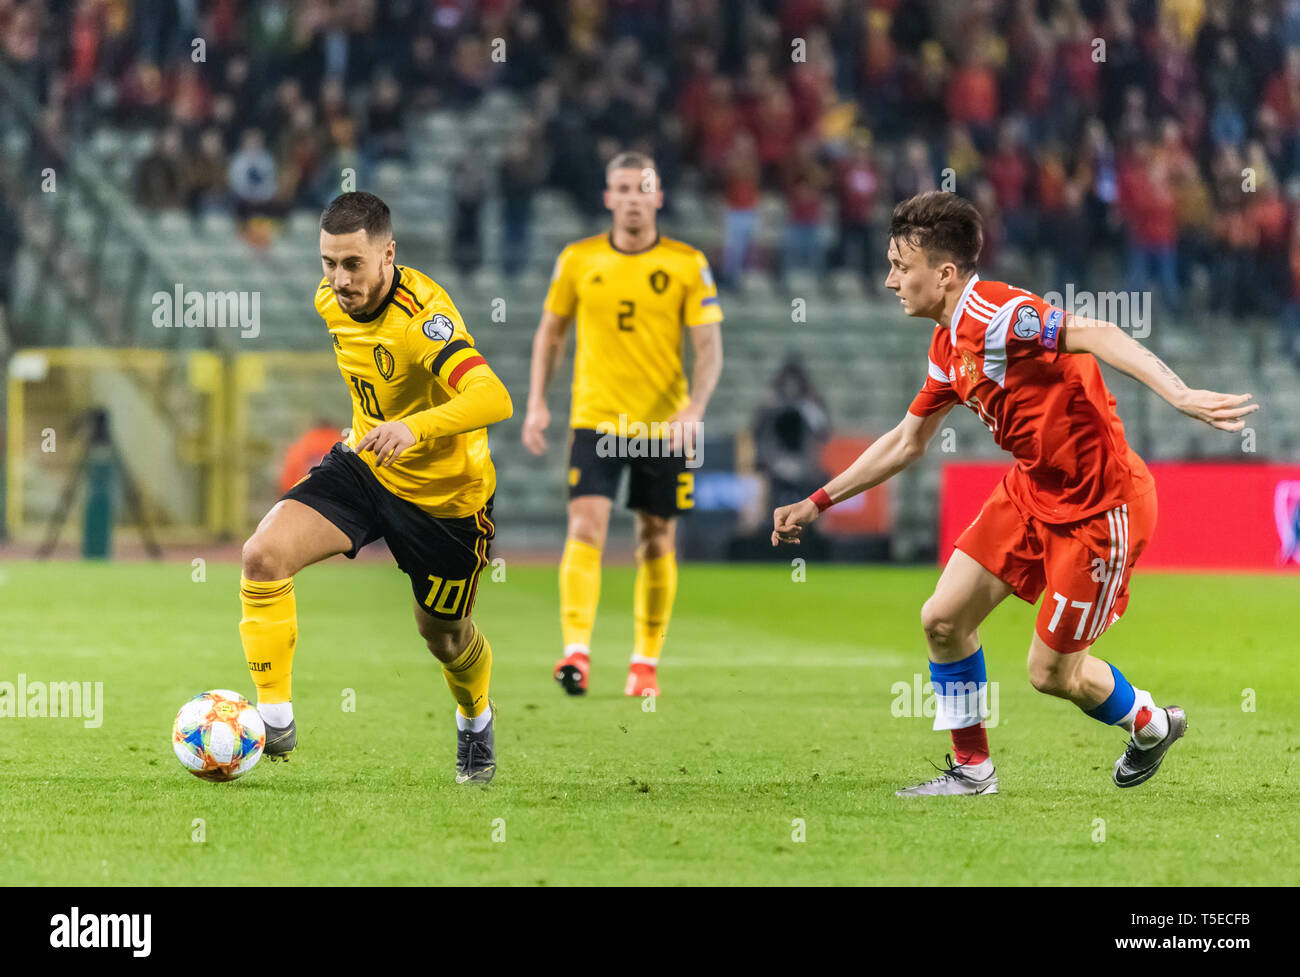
[
  {"x": 442, "y": 556},
  {"x": 661, "y": 486}
]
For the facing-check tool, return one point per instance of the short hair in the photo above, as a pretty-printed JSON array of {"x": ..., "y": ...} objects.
[
  {"x": 940, "y": 224},
  {"x": 630, "y": 160},
  {"x": 357, "y": 211}
]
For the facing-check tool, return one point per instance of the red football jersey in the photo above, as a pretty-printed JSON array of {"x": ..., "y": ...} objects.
[{"x": 1001, "y": 357}]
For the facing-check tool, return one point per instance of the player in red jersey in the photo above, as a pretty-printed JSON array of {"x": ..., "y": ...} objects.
[{"x": 1070, "y": 519}]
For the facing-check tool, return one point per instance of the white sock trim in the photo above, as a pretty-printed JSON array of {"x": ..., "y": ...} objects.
[
  {"x": 576, "y": 650},
  {"x": 1141, "y": 697},
  {"x": 277, "y": 714},
  {"x": 644, "y": 660},
  {"x": 476, "y": 724},
  {"x": 962, "y": 704}
]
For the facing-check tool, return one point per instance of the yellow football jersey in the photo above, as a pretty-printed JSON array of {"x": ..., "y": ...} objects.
[
  {"x": 632, "y": 310},
  {"x": 411, "y": 354}
]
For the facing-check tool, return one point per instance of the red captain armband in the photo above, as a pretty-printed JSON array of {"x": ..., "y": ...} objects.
[{"x": 821, "y": 500}]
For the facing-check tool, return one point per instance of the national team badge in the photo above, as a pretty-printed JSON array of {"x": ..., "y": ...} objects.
[
  {"x": 439, "y": 328},
  {"x": 969, "y": 365},
  {"x": 659, "y": 280},
  {"x": 384, "y": 360}
]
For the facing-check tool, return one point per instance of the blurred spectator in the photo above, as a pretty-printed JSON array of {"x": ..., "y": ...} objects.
[
  {"x": 1193, "y": 206},
  {"x": 1268, "y": 213},
  {"x": 790, "y": 430},
  {"x": 205, "y": 175},
  {"x": 913, "y": 173},
  {"x": 1290, "y": 345},
  {"x": 468, "y": 189},
  {"x": 802, "y": 246},
  {"x": 972, "y": 95},
  {"x": 1150, "y": 211},
  {"x": 857, "y": 184},
  {"x": 423, "y": 75},
  {"x": 774, "y": 131},
  {"x": 253, "y": 182},
  {"x": 522, "y": 170},
  {"x": 530, "y": 58},
  {"x": 299, "y": 150},
  {"x": 985, "y": 200},
  {"x": 1008, "y": 170},
  {"x": 342, "y": 159},
  {"x": 385, "y": 135},
  {"x": 719, "y": 128},
  {"x": 740, "y": 220},
  {"x": 471, "y": 72},
  {"x": 160, "y": 176}
]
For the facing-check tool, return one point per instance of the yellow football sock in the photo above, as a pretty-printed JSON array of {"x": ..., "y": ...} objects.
[
  {"x": 579, "y": 591},
  {"x": 269, "y": 632},
  {"x": 652, "y": 605},
  {"x": 469, "y": 674}
]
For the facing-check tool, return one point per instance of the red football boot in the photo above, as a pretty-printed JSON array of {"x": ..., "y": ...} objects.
[
  {"x": 641, "y": 680},
  {"x": 572, "y": 672}
]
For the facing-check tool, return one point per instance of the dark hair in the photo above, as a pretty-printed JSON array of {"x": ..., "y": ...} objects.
[
  {"x": 940, "y": 224},
  {"x": 357, "y": 211}
]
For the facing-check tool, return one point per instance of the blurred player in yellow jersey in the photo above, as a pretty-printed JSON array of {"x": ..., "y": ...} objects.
[
  {"x": 415, "y": 470},
  {"x": 634, "y": 294}
]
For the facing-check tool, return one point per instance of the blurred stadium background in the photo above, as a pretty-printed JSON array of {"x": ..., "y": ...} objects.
[{"x": 157, "y": 145}]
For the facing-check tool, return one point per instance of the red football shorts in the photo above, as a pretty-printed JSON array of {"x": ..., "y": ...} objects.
[{"x": 1083, "y": 566}]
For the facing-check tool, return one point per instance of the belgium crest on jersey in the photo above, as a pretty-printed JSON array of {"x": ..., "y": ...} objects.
[{"x": 384, "y": 361}]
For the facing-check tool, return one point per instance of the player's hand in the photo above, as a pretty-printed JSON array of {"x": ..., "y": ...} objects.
[
  {"x": 387, "y": 441},
  {"x": 684, "y": 431},
  {"x": 789, "y": 521},
  {"x": 1217, "y": 410},
  {"x": 535, "y": 422}
]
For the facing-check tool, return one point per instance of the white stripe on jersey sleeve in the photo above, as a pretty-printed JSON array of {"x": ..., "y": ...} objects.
[
  {"x": 995, "y": 341},
  {"x": 985, "y": 308},
  {"x": 936, "y": 374}
]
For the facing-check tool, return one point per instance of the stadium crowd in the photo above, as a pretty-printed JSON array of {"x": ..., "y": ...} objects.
[{"x": 1162, "y": 134}]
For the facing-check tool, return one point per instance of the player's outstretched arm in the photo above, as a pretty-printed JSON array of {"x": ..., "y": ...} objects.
[
  {"x": 1112, "y": 345},
  {"x": 548, "y": 347},
  {"x": 886, "y": 457}
]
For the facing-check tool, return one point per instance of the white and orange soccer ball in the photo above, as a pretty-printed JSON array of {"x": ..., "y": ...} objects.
[{"x": 218, "y": 735}]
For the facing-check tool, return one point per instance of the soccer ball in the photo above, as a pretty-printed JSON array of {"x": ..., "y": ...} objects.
[{"x": 218, "y": 735}]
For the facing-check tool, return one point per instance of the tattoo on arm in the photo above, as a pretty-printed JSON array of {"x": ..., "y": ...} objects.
[{"x": 1164, "y": 369}]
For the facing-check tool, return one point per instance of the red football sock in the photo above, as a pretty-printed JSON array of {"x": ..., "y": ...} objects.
[{"x": 971, "y": 745}]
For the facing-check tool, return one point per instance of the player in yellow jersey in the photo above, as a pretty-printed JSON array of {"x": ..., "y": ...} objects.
[
  {"x": 634, "y": 294},
  {"x": 415, "y": 470}
]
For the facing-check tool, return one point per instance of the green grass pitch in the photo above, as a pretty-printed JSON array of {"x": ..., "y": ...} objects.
[{"x": 776, "y": 723}]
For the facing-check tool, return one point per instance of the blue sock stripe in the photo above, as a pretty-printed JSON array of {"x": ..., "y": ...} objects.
[
  {"x": 969, "y": 671},
  {"x": 1118, "y": 703}
]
